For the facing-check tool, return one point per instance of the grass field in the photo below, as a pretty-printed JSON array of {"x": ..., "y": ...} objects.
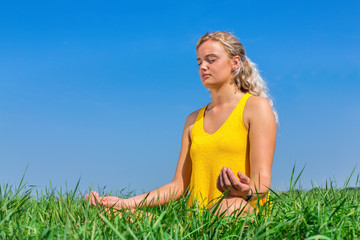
[{"x": 321, "y": 213}]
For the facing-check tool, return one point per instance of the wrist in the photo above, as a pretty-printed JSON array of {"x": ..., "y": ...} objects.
[
  {"x": 250, "y": 195},
  {"x": 127, "y": 203}
]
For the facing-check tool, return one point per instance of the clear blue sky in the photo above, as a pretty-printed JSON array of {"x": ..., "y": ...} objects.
[{"x": 100, "y": 90}]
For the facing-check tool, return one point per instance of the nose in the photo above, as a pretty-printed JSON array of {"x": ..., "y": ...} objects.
[{"x": 203, "y": 66}]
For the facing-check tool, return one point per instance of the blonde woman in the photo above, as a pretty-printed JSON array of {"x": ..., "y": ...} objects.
[{"x": 228, "y": 145}]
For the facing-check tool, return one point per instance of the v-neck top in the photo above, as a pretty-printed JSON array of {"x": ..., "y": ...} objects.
[{"x": 209, "y": 153}]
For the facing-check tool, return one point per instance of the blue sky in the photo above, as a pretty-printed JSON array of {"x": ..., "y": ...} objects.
[{"x": 100, "y": 90}]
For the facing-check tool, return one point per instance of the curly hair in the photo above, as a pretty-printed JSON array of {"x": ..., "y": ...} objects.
[{"x": 247, "y": 77}]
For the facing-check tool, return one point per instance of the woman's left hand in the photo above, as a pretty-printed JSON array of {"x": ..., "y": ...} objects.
[{"x": 238, "y": 187}]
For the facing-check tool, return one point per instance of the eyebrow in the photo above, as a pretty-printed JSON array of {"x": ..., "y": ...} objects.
[{"x": 208, "y": 55}]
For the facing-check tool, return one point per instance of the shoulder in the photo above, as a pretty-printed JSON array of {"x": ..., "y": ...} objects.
[
  {"x": 257, "y": 109},
  {"x": 190, "y": 121},
  {"x": 256, "y": 103}
]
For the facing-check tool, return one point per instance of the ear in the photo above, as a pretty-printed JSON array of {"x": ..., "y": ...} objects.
[{"x": 236, "y": 62}]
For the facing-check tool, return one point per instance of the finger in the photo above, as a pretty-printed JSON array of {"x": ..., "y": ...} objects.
[
  {"x": 218, "y": 184},
  {"x": 98, "y": 199},
  {"x": 243, "y": 178},
  {"x": 93, "y": 198},
  {"x": 95, "y": 194},
  {"x": 236, "y": 185},
  {"x": 226, "y": 179},
  {"x": 88, "y": 200},
  {"x": 234, "y": 180},
  {"x": 222, "y": 185}
]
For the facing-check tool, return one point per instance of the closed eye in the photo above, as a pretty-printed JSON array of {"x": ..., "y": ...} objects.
[{"x": 208, "y": 60}]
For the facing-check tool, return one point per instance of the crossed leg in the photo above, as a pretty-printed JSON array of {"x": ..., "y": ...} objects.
[{"x": 230, "y": 204}]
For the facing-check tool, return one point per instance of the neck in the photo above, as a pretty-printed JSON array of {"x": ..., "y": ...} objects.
[{"x": 225, "y": 94}]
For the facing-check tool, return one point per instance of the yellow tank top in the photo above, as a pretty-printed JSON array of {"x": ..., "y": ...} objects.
[{"x": 227, "y": 147}]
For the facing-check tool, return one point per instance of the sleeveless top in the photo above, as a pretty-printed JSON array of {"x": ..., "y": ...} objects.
[{"x": 209, "y": 153}]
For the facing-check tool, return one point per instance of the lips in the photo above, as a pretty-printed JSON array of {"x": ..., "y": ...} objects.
[{"x": 205, "y": 75}]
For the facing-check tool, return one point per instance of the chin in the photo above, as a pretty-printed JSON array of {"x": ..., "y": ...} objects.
[{"x": 210, "y": 85}]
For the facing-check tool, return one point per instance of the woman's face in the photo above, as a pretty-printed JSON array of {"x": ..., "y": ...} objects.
[{"x": 215, "y": 67}]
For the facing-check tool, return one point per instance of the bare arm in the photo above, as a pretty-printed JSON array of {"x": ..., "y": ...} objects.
[
  {"x": 262, "y": 136},
  {"x": 171, "y": 191},
  {"x": 259, "y": 120}
]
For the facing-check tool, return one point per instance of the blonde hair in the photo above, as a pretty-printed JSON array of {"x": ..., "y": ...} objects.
[{"x": 247, "y": 77}]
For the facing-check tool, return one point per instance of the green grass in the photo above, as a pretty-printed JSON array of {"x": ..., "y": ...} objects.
[{"x": 320, "y": 213}]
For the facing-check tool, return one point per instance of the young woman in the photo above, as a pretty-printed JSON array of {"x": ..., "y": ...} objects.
[{"x": 228, "y": 145}]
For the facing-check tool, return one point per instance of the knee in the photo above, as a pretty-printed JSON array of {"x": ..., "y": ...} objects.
[
  {"x": 229, "y": 205},
  {"x": 225, "y": 208}
]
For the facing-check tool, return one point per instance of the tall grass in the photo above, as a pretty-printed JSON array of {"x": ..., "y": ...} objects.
[{"x": 320, "y": 213}]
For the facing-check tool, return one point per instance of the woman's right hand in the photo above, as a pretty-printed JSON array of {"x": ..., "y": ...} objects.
[
  {"x": 114, "y": 202},
  {"x": 110, "y": 201}
]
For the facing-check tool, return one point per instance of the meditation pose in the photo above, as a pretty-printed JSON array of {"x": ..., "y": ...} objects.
[{"x": 228, "y": 145}]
